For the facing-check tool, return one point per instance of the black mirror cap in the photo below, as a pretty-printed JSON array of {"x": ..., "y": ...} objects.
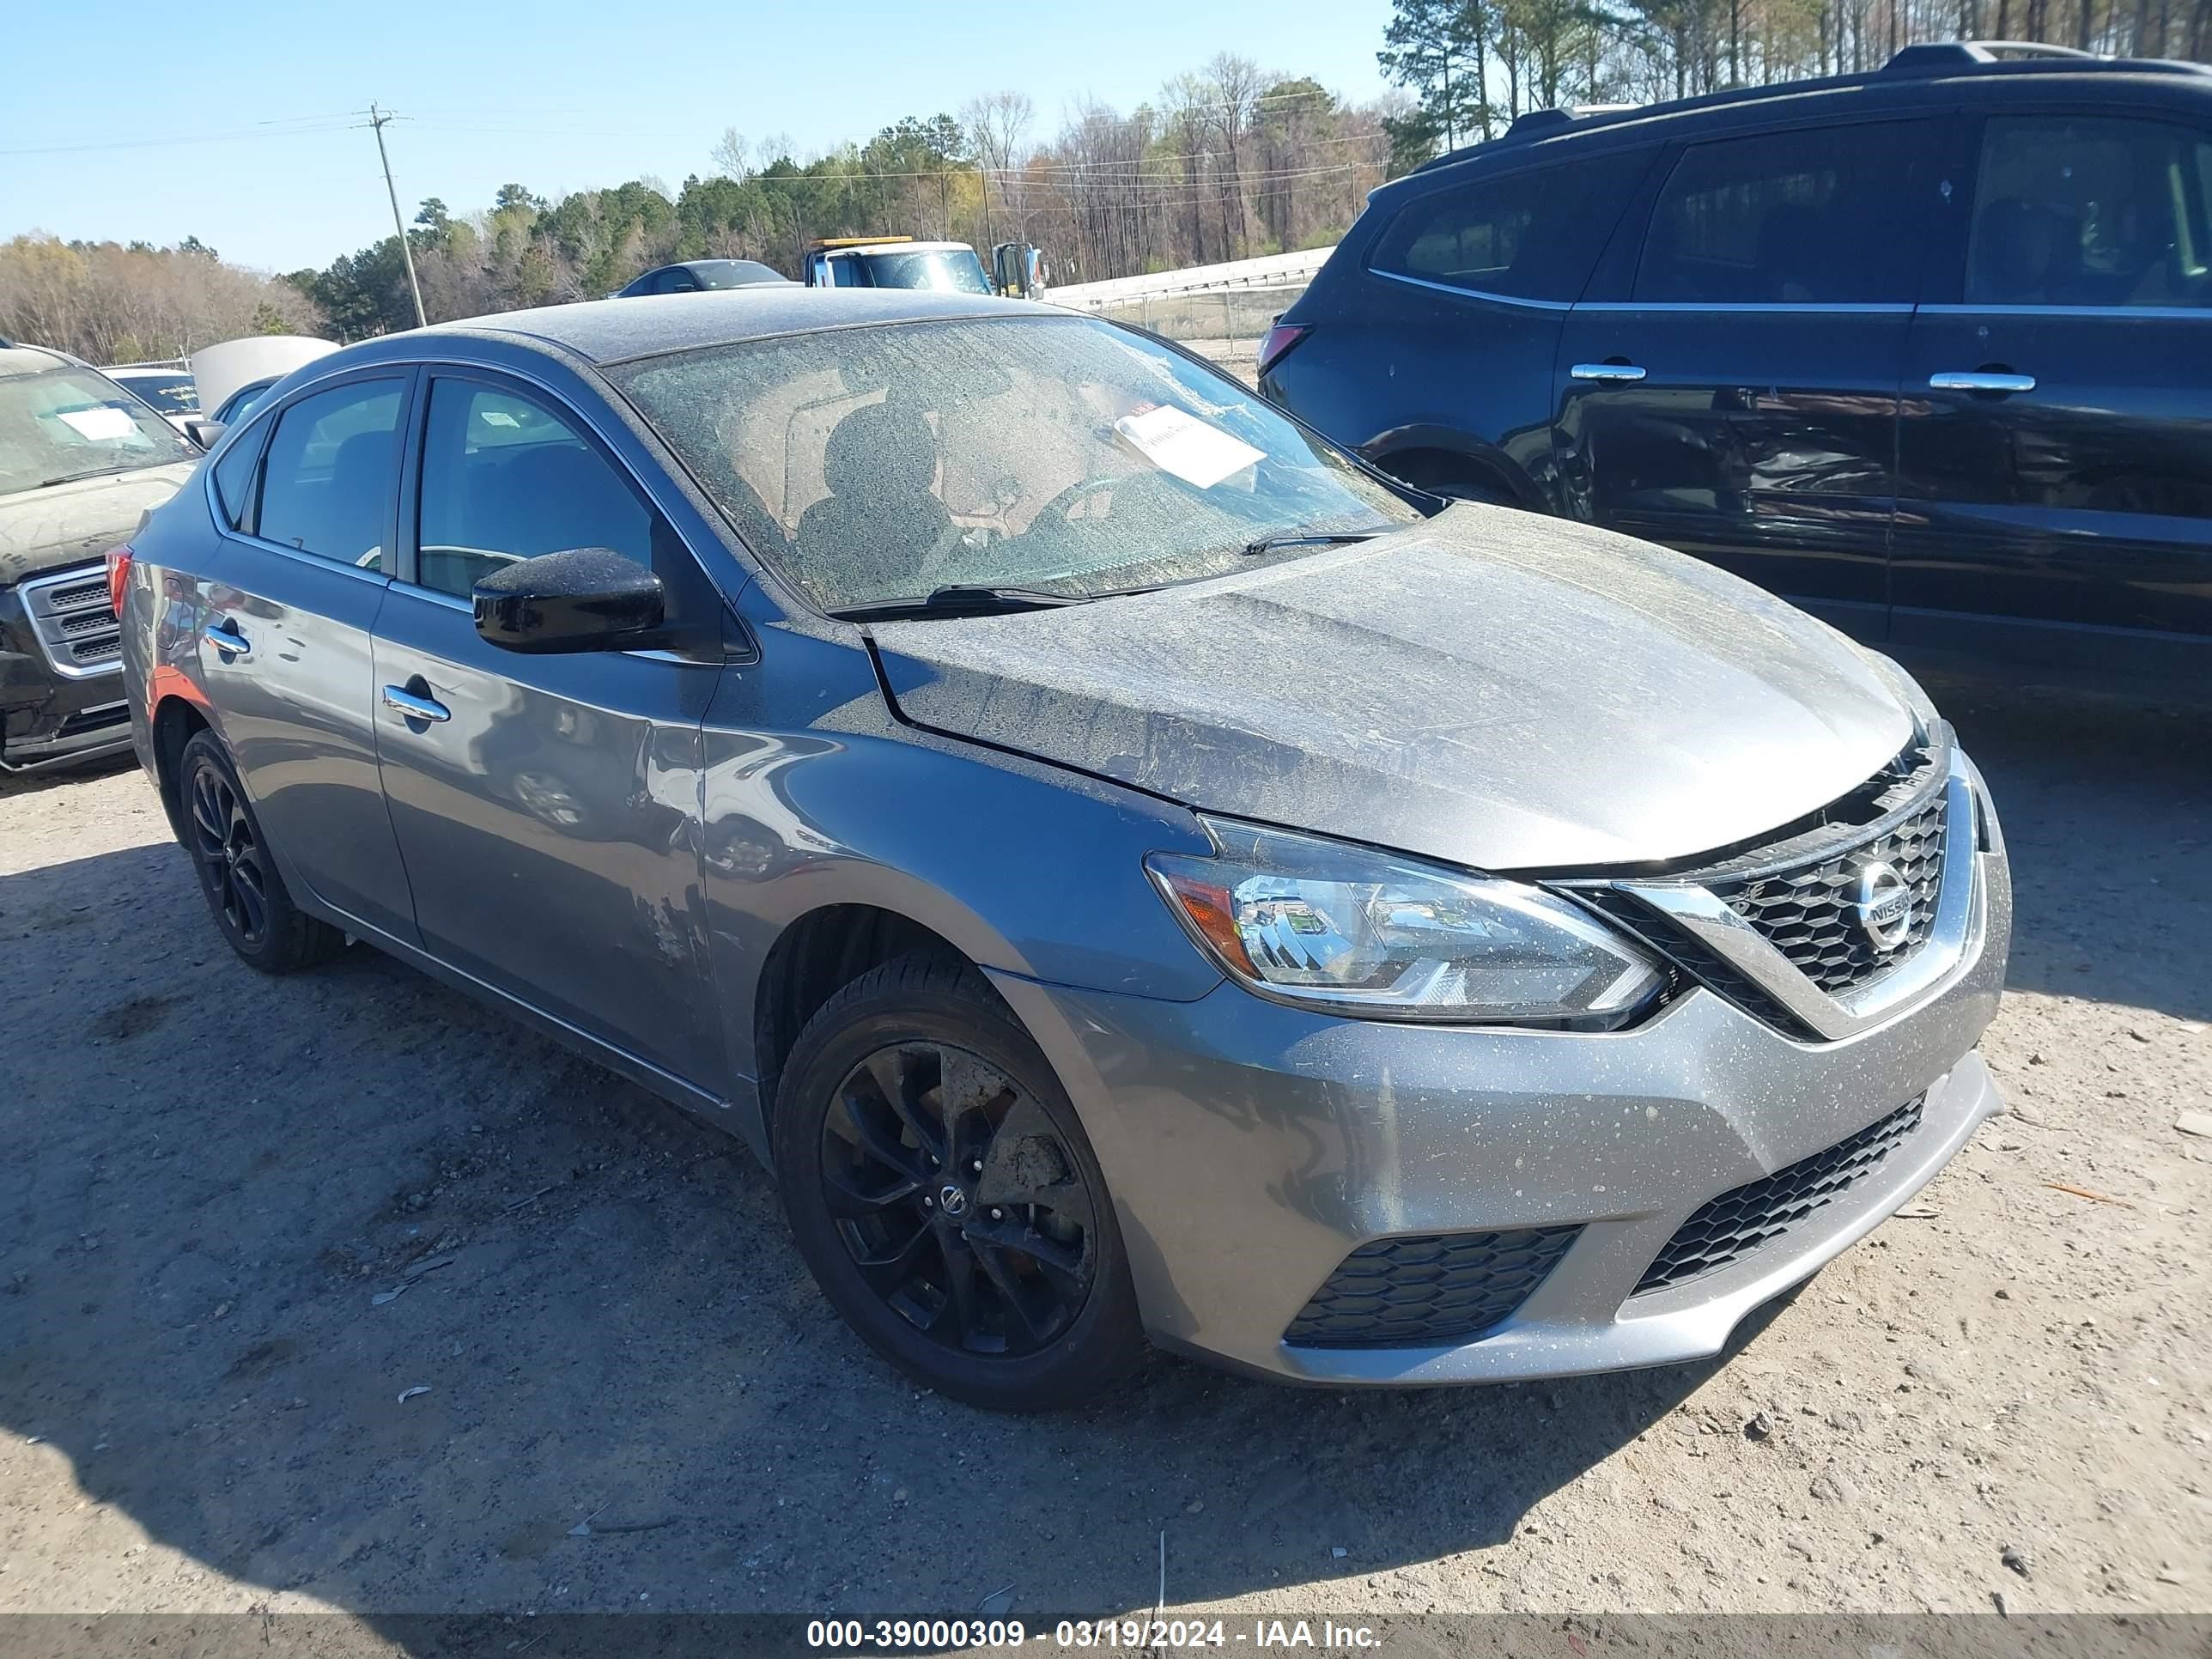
[
  {"x": 586, "y": 598},
  {"x": 205, "y": 433}
]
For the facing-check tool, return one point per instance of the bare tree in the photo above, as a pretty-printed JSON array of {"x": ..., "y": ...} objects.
[
  {"x": 731, "y": 156},
  {"x": 997, "y": 128}
]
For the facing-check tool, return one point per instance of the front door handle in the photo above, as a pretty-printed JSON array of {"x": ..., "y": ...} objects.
[
  {"x": 1979, "y": 380},
  {"x": 1607, "y": 373},
  {"x": 225, "y": 637},
  {"x": 415, "y": 707}
]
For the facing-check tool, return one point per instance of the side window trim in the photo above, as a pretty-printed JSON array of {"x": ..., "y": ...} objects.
[{"x": 269, "y": 415}]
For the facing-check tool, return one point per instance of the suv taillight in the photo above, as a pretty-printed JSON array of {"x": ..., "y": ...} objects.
[
  {"x": 1281, "y": 338},
  {"x": 118, "y": 573}
]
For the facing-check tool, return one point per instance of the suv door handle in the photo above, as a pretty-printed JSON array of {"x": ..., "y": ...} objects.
[
  {"x": 1979, "y": 380},
  {"x": 225, "y": 637},
  {"x": 1609, "y": 372},
  {"x": 415, "y": 707}
]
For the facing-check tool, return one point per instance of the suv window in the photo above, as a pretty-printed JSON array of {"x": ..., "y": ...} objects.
[
  {"x": 332, "y": 469},
  {"x": 504, "y": 478},
  {"x": 1806, "y": 217},
  {"x": 1532, "y": 236},
  {"x": 2088, "y": 211}
]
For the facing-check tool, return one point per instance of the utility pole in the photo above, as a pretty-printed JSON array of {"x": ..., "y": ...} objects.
[{"x": 377, "y": 118}]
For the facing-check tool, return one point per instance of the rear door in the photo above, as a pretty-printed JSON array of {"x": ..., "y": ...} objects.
[
  {"x": 1441, "y": 368},
  {"x": 1735, "y": 397},
  {"x": 286, "y": 609},
  {"x": 548, "y": 808},
  {"x": 2057, "y": 443}
]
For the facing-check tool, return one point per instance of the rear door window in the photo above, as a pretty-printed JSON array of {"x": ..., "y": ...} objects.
[
  {"x": 1806, "y": 217},
  {"x": 1531, "y": 235},
  {"x": 332, "y": 472},
  {"x": 2091, "y": 211}
]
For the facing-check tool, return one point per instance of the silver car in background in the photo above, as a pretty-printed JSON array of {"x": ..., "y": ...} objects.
[{"x": 1128, "y": 868}]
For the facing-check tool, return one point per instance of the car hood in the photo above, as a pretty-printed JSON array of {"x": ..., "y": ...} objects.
[
  {"x": 68, "y": 524},
  {"x": 1491, "y": 688}
]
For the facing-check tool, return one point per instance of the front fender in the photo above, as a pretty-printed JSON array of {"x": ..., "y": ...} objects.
[{"x": 1027, "y": 869}]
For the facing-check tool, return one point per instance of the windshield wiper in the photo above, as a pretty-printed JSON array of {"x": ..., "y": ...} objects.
[
  {"x": 96, "y": 472},
  {"x": 1323, "y": 538},
  {"x": 962, "y": 600}
]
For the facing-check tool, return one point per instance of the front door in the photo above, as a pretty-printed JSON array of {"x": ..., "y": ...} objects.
[
  {"x": 2056, "y": 444},
  {"x": 547, "y": 806},
  {"x": 1740, "y": 403},
  {"x": 285, "y": 613}
]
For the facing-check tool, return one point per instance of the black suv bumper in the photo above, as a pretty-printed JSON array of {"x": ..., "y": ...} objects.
[{"x": 61, "y": 685}]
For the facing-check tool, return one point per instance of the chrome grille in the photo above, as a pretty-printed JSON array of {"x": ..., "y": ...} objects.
[
  {"x": 76, "y": 629},
  {"x": 1808, "y": 912}
]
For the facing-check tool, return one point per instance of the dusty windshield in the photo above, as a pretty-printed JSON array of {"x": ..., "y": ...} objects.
[
  {"x": 72, "y": 424},
  {"x": 875, "y": 464}
]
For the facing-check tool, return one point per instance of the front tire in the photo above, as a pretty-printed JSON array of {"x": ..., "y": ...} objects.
[
  {"x": 945, "y": 1196},
  {"x": 237, "y": 874}
]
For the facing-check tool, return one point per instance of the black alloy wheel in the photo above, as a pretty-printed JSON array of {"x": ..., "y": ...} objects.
[
  {"x": 237, "y": 873},
  {"x": 943, "y": 1193},
  {"x": 957, "y": 1201},
  {"x": 234, "y": 868}
]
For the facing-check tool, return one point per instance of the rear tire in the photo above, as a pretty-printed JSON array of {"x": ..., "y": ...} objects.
[
  {"x": 976, "y": 1249},
  {"x": 238, "y": 876}
]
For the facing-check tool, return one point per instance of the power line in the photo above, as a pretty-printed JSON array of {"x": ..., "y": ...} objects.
[{"x": 303, "y": 125}]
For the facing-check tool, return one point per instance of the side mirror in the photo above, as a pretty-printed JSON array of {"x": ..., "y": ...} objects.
[
  {"x": 587, "y": 598},
  {"x": 203, "y": 432}
]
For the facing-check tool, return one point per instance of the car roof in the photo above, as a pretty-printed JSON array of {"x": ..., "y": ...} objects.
[
  {"x": 1942, "y": 74},
  {"x": 16, "y": 360},
  {"x": 610, "y": 331},
  {"x": 900, "y": 247}
]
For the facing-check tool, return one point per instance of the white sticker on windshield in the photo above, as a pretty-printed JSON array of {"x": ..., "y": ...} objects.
[
  {"x": 1184, "y": 445},
  {"x": 99, "y": 425}
]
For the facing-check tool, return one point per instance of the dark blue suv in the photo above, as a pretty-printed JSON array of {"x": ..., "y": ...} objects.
[{"x": 1927, "y": 351}]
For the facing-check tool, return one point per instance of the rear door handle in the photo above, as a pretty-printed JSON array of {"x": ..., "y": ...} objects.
[
  {"x": 1979, "y": 380},
  {"x": 415, "y": 707},
  {"x": 225, "y": 637},
  {"x": 1621, "y": 373}
]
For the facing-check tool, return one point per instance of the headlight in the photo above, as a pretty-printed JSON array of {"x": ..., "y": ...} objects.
[{"x": 1358, "y": 933}]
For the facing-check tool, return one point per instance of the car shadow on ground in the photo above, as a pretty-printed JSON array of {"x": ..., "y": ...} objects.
[{"x": 340, "y": 1285}]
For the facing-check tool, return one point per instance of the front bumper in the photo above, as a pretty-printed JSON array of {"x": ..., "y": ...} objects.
[
  {"x": 49, "y": 718},
  {"x": 1251, "y": 1147}
]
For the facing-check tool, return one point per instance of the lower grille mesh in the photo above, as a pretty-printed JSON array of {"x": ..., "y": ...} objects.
[
  {"x": 1428, "y": 1291},
  {"x": 1746, "y": 1218}
]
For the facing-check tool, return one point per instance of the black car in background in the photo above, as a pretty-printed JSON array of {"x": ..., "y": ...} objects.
[
  {"x": 699, "y": 275},
  {"x": 1927, "y": 351}
]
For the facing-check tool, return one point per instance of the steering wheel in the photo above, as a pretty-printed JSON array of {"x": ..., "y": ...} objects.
[{"x": 1082, "y": 490}]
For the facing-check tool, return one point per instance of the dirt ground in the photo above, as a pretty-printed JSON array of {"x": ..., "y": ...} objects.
[{"x": 213, "y": 1182}]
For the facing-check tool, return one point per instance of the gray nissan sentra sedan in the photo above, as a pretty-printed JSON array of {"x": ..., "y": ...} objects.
[{"x": 1128, "y": 868}]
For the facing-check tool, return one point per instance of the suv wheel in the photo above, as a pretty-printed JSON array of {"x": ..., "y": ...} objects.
[
  {"x": 1456, "y": 481},
  {"x": 237, "y": 875},
  {"x": 945, "y": 1196}
]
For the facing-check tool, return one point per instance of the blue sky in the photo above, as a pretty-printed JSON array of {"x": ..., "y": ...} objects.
[{"x": 253, "y": 98}]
